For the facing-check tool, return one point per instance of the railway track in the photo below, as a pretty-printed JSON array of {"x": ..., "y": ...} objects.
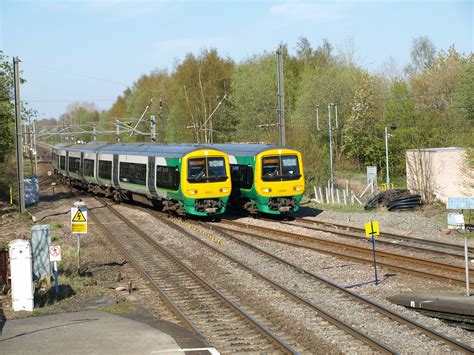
[
  {"x": 197, "y": 304},
  {"x": 317, "y": 317},
  {"x": 385, "y": 238},
  {"x": 373, "y": 313},
  {"x": 424, "y": 268}
]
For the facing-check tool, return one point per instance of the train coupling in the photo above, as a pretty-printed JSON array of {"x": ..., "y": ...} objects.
[
  {"x": 208, "y": 206},
  {"x": 282, "y": 204}
]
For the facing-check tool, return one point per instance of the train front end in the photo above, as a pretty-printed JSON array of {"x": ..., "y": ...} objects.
[
  {"x": 279, "y": 181},
  {"x": 205, "y": 182}
]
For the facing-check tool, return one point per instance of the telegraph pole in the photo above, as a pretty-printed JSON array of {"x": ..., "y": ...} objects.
[
  {"x": 19, "y": 136},
  {"x": 35, "y": 151},
  {"x": 281, "y": 108},
  {"x": 153, "y": 128},
  {"x": 330, "y": 146}
]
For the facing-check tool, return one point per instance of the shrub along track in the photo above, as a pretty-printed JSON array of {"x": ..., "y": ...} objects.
[{"x": 402, "y": 263}]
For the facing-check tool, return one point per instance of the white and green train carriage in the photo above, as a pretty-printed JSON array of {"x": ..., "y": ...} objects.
[{"x": 185, "y": 178}]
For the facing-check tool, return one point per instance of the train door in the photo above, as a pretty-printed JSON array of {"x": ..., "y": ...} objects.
[
  {"x": 151, "y": 176},
  {"x": 115, "y": 171}
]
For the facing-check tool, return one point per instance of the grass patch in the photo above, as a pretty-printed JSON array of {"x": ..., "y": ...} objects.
[
  {"x": 121, "y": 307},
  {"x": 338, "y": 208},
  {"x": 57, "y": 225}
]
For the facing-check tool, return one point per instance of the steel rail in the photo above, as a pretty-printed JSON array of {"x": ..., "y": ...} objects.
[
  {"x": 260, "y": 327},
  {"x": 182, "y": 318},
  {"x": 379, "y": 307},
  {"x": 373, "y": 343},
  {"x": 366, "y": 251},
  {"x": 386, "y": 234},
  {"x": 383, "y": 242}
]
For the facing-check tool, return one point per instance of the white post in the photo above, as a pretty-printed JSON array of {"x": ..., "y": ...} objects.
[
  {"x": 386, "y": 157},
  {"x": 316, "y": 194},
  {"x": 321, "y": 194},
  {"x": 337, "y": 193},
  {"x": 332, "y": 193},
  {"x": 466, "y": 260},
  {"x": 330, "y": 145},
  {"x": 327, "y": 195},
  {"x": 344, "y": 196}
]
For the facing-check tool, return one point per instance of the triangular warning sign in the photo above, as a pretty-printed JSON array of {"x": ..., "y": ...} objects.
[{"x": 79, "y": 217}]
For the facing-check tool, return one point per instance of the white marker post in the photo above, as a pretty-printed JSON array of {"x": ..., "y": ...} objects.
[
  {"x": 456, "y": 221},
  {"x": 79, "y": 226},
  {"x": 466, "y": 261},
  {"x": 54, "y": 257}
]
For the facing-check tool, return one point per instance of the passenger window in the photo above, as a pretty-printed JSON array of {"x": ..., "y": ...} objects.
[
  {"x": 133, "y": 173},
  {"x": 74, "y": 165},
  {"x": 62, "y": 163},
  {"x": 105, "y": 169},
  {"x": 167, "y": 177},
  {"x": 88, "y": 167},
  {"x": 242, "y": 176}
]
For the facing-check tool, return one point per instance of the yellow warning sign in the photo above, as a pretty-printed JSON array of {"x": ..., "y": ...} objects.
[
  {"x": 372, "y": 229},
  {"x": 79, "y": 228},
  {"x": 79, "y": 217},
  {"x": 78, "y": 220}
]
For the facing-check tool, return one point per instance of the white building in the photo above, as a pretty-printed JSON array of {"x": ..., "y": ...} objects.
[{"x": 437, "y": 173}]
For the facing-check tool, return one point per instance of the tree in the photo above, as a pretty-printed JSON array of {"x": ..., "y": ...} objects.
[
  {"x": 7, "y": 109},
  {"x": 434, "y": 90},
  {"x": 7, "y": 115},
  {"x": 199, "y": 85},
  {"x": 363, "y": 134},
  {"x": 422, "y": 54}
]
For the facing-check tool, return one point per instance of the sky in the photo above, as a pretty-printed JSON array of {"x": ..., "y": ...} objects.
[{"x": 92, "y": 50}]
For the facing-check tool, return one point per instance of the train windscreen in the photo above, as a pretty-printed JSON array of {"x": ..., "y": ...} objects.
[
  {"x": 206, "y": 170},
  {"x": 280, "y": 168}
]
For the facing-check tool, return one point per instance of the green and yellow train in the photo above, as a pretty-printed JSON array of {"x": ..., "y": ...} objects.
[
  {"x": 182, "y": 178},
  {"x": 265, "y": 178}
]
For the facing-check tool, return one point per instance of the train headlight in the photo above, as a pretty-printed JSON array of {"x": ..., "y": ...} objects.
[
  {"x": 192, "y": 192},
  {"x": 224, "y": 189},
  {"x": 266, "y": 190},
  {"x": 298, "y": 188}
]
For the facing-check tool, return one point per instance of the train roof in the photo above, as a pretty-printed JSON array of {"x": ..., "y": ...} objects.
[
  {"x": 244, "y": 149},
  {"x": 89, "y": 147},
  {"x": 148, "y": 149}
]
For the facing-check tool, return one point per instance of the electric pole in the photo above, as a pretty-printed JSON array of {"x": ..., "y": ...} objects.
[
  {"x": 281, "y": 108},
  {"x": 19, "y": 136},
  {"x": 330, "y": 146},
  {"x": 153, "y": 128}
]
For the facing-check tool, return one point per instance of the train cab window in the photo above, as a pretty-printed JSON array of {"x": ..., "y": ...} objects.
[
  {"x": 280, "y": 168},
  {"x": 88, "y": 169},
  {"x": 62, "y": 162},
  {"x": 270, "y": 168},
  {"x": 105, "y": 169},
  {"x": 206, "y": 170},
  {"x": 216, "y": 168},
  {"x": 242, "y": 176},
  {"x": 132, "y": 173},
  {"x": 289, "y": 167},
  {"x": 167, "y": 177},
  {"x": 74, "y": 165}
]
